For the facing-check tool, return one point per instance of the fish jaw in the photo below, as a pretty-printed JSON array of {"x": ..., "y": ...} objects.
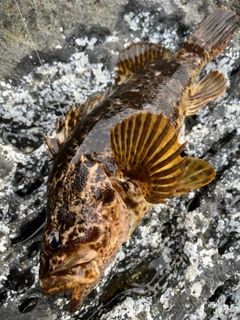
[
  {"x": 81, "y": 278},
  {"x": 81, "y": 268}
]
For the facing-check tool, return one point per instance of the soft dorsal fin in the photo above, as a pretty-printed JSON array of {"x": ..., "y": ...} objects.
[
  {"x": 73, "y": 116},
  {"x": 137, "y": 56},
  {"x": 147, "y": 150}
]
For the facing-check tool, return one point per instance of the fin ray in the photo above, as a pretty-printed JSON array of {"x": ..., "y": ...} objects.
[
  {"x": 198, "y": 174},
  {"x": 215, "y": 31},
  {"x": 156, "y": 165},
  {"x": 136, "y": 57},
  {"x": 73, "y": 116},
  {"x": 210, "y": 87}
]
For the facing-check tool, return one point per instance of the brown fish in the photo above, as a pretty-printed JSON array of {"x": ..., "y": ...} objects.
[{"x": 119, "y": 153}]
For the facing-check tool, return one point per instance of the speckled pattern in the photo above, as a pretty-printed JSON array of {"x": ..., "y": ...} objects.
[
  {"x": 86, "y": 223},
  {"x": 182, "y": 263},
  {"x": 92, "y": 210}
]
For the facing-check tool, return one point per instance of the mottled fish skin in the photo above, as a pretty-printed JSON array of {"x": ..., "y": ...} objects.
[{"x": 119, "y": 153}]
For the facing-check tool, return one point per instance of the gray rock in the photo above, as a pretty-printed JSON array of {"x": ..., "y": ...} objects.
[{"x": 182, "y": 262}]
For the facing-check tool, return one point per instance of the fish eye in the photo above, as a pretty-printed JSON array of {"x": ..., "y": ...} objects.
[{"x": 53, "y": 239}]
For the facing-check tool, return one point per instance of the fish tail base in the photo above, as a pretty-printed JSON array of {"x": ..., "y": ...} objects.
[{"x": 215, "y": 32}]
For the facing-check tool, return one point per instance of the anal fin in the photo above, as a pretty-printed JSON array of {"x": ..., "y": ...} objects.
[
  {"x": 197, "y": 174},
  {"x": 147, "y": 151},
  {"x": 210, "y": 87}
]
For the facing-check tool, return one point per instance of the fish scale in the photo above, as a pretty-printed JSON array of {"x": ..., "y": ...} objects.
[{"x": 119, "y": 153}]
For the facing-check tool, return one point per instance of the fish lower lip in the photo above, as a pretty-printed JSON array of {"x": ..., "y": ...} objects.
[
  {"x": 57, "y": 278},
  {"x": 52, "y": 285},
  {"x": 59, "y": 281}
]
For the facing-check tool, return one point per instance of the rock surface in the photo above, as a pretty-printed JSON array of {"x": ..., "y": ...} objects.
[{"x": 183, "y": 261}]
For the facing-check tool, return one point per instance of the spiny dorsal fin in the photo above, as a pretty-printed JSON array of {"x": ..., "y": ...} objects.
[
  {"x": 210, "y": 87},
  {"x": 63, "y": 128},
  {"x": 197, "y": 174},
  {"x": 136, "y": 57},
  {"x": 73, "y": 116},
  {"x": 147, "y": 150}
]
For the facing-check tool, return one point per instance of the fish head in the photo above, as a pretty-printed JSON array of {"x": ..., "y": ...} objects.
[{"x": 87, "y": 221}]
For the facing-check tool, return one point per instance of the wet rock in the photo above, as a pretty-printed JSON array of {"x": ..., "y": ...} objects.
[{"x": 182, "y": 262}]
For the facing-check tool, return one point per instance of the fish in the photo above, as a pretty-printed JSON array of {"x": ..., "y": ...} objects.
[{"x": 119, "y": 153}]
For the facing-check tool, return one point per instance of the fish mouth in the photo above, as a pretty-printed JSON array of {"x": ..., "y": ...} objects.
[
  {"x": 68, "y": 273},
  {"x": 56, "y": 284},
  {"x": 59, "y": 281},
  {"x": 51, "y": 286},
  {"x": 79, "y": 273},
  {"x": 81, "y": 278}
]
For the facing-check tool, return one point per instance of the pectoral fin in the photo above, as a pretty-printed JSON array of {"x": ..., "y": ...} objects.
[
  {"x": 210, "y": 87},
  {"x": 147, "y": 150},
  {"x": 197, "y": 174}
]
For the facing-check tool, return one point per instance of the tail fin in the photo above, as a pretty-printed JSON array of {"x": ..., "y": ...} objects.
[{"x": 215, "y": 32}]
